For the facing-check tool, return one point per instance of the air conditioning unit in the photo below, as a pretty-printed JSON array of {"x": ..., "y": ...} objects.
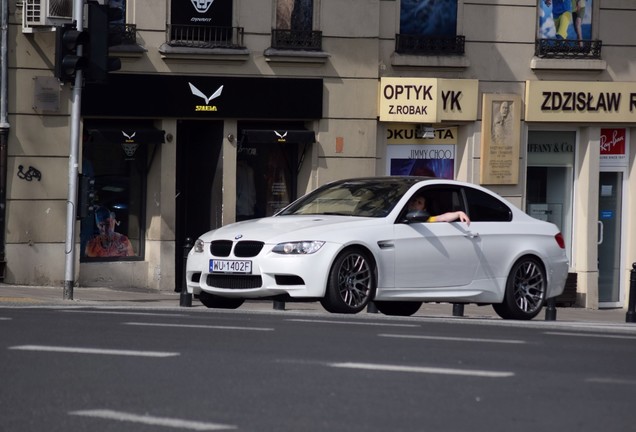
[{"x": 43, "y": 15}]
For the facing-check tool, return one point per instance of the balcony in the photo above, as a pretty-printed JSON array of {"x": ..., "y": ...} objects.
[
  {"x": 296, "y": 40},
  {"x": 428, "y": 46},
  {"x": 567, "y": 49},
  {"x": 191, "y": 36}
]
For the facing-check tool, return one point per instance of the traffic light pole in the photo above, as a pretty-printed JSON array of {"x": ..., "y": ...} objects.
[{"x": 73, "y": 165}]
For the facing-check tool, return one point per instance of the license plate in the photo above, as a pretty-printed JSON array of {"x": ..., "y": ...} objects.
[{"x": 230, "y": 266}]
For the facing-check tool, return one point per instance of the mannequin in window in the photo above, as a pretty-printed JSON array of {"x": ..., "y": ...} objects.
[{"x": 245, "y": 191}]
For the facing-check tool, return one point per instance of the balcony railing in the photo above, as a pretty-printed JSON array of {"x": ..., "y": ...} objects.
[
  {"x": 191, "y": 36},
  {"x": 297, "y": 40},
  {"x": 427, "y": 45},
  {"x": 567, "y": 49}
]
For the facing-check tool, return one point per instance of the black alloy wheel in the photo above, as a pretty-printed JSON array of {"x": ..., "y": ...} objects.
[
  {"x": 526, "y": 289},
  {"x": 351, "y": 282}
]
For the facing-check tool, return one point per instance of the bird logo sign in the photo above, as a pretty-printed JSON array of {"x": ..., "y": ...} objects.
[
  {"x": 281, "y": 136},
  {"x": 207, "y": 107}
]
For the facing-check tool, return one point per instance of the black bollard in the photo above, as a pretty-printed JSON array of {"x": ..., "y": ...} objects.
[
  {"x": 631, "y": 312},
  {"x": 458, "y": 309},
  {"x": 279, "y": 305},
  {"x": 550, "y": 310},
  {"x": 372, "y": 308},
  {"x": 185, "y": 299}
]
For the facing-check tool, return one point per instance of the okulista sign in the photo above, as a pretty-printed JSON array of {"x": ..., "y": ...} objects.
[{"x": 556, "y": 101}]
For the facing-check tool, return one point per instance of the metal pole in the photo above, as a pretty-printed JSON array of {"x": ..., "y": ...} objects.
[
  {"x": 76, "y": 110},
  {"x": 630, "y": 317},
  {"x": 551, "y": 310},
  {"x": 185, "y": 298},
  {"x": 458, "y": 309}
]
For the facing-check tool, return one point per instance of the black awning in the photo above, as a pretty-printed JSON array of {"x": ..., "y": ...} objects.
[
  {"x": 271, "y": 136},
  {"x": 127, "y": 135}
]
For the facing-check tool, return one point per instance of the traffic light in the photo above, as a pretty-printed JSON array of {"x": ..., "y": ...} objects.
[
  {"x": 106, "y": 29},
  {"x": 87, "y": 196},
  {"x": 67, "y": 60}
]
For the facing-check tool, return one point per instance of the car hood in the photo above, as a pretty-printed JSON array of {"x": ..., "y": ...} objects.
[{"x": 291, "y": 228}]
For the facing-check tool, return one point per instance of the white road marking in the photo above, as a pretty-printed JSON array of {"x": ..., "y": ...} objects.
[
  {"x": 5, "y": 319},
  {"x": 317, "y": 321},
  {"x": 596, "y": 335},
  {"x": 427, "y": 370},
  {"x": 200, "y": 326},
  {"x": 150, "y": 420},
  {"x": 120, "y": 312},
  {"x": 453, "y": 339},
  {"x": 610, "y": 381},
  {"x": 80, "y": 350}
]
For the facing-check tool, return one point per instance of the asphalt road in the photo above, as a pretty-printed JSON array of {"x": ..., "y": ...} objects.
[{"x": 99, "y": 369}]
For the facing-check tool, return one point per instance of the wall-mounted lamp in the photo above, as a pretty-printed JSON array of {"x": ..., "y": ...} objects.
[{"x": 230, "y": 138}]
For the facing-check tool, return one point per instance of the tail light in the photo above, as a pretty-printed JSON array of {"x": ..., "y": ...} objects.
[{"x": 559, "y": 240}]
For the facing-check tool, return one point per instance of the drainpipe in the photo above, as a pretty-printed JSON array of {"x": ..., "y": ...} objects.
[{"x": 4, "y": 129}]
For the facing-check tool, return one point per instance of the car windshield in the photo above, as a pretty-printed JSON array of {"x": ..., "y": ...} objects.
[{"x": 368, "y": 198}]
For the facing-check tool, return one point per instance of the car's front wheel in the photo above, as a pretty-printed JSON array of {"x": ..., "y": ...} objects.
[
  {"x": 526, "y": 289},
  {"x": 214, "y": 301},
  {"x": 351, "y": 282},
  {"x": 398, "y": 308}
]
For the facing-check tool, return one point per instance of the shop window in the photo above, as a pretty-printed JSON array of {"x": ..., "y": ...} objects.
[
  {"x": 564, "y": 30},
  {"x": 268, "y": 161},
  {"x": 550, "y": 179},
  {"x": 114, "y": 165},
  {"x": 429, "y": 27},
  {"x": 295, "y": 26}
]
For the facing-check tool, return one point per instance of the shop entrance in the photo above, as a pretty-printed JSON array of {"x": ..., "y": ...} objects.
[
  {"x": 197, "y": 200},
  {"x": 610, "y": 207}
]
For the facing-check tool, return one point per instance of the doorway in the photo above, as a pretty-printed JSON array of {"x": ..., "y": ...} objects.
[
  {"x": 610, "y": 230},
  {"x": 199, "y": 145}
]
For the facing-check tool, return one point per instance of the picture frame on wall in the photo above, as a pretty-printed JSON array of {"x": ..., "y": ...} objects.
[{"x": 500, "y": 139}]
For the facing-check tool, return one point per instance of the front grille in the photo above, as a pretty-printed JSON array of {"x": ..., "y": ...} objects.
[
  {"x": 221, "y": 248},
  {"x": 247, "y": 249},
  {"x": 234, "y": 281}
]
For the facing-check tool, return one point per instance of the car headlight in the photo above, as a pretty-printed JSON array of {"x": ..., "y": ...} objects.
[
  {"x": 198, "y": 246},
  {"x": 298, "y": 248}
]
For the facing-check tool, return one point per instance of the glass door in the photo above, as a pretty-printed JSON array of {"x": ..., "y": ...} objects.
[{"x": 610, "y": 207}]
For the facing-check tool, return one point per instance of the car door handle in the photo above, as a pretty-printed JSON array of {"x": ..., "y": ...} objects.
[{"x": 471, "y": 235}]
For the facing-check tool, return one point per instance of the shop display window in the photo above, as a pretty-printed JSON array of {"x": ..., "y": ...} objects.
[{"x": 550, "y": 179}]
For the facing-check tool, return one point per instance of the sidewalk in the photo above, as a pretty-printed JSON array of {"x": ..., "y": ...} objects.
[{"x": 12, "y": 295}]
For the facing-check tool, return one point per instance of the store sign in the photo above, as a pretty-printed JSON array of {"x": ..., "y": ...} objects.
[
  {"x": 407, "y": 154},
  {"x": 572, "y": 101},
  {"x": 427, "y": 100},
  {"x": 613, "y": 148}
]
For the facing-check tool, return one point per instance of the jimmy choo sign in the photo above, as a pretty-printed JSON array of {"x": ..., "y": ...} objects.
[{"x": 582, "y": 101}]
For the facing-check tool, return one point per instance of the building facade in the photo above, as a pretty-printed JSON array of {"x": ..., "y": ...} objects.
[{"x": 226, "y": 110}]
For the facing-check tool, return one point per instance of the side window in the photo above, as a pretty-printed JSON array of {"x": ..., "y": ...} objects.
[
  {"x": 295, "y": 21},
  {"x": 438, "y": 200},
  {"x": 486, "y": 208}
]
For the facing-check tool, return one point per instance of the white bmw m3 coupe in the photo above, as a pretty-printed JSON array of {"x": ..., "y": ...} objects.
[{"x": 355, "y": 241}]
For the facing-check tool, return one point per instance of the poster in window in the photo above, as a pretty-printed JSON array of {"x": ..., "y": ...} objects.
[
  {"x": 433, "y": 18},
  {"x": 613, "y": 147},
  {"x": 294, "y": 15},
  {"x": 566, "y": 19},
  {"x": 216, "y": 13},
  {"x": 500, "y": 139}
]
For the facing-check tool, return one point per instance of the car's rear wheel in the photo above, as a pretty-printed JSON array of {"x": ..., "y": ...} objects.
[
  {"x": 525, "y": 290},
  {"x": 398, "y": 308},
  {"x": 351, "y": 282},
  {"x": 214, "y": 301}
]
